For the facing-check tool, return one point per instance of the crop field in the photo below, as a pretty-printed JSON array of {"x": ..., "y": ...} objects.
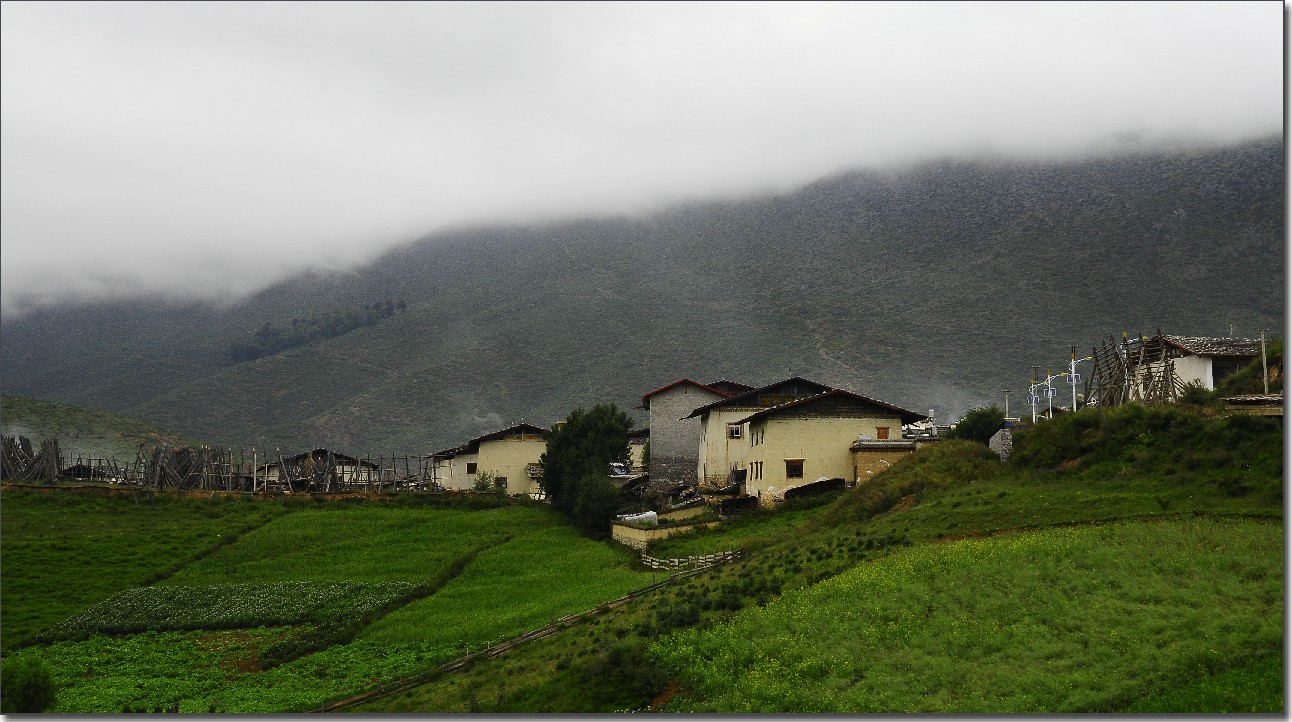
[
  {"x": 1081, "y": 619},
  {"x": 63, "y": 553},
  {"x": 534, "y": 578},
  {"x": 227, "y": 606},
  {"x": 269, "y": 609}
]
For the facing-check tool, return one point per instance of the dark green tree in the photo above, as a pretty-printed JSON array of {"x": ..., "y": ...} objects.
[
  {"x": 979, "y": 424},
  {"x": 577, "y": 463},
  {"x": 595, "y": 502}
]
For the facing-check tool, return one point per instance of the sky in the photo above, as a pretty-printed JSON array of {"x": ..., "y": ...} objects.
[{"x": 206, "y": 150}]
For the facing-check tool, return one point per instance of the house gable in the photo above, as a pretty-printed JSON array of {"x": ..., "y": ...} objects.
[
  {"x": 836, "y": 403},
  {"x": 781, "y": 392}
]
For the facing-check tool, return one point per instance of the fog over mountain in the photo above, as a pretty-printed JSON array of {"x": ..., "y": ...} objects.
[
  {"x": 208, "y": 150},
  {"x": 935, "y": 286}
]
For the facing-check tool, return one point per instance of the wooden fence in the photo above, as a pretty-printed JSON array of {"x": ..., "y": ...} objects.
[
  {"x": 692, "y": 562},
  {"x": 161, "y": 467}
]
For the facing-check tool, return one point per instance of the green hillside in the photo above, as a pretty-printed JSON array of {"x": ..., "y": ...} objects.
[
  {"x": 1124, "y": 560},
  {"x": 928, "y": 286},
  {"x": 82, "y": 432},
  {"x": 1118, "y": 574}
]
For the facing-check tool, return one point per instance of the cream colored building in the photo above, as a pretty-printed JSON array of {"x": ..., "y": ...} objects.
[
  {"x": 724, "y": 444},
  {"x": 511, "y": 455},
  {"x": 637, "y": 441},
  {"x": 802, "y": 441}
]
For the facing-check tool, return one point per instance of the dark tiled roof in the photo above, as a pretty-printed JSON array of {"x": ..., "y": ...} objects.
[
  {"x": 474, "y": 444},
  {"x": 908, "y": 416},
  {"x": 1256, "y": 399},
  {"x": 679, "y": 382},
  {"x": 321, "y": 453},
  {"x": 1206, "y": 346},
  {"x": 731, "y": 388},
  {"x": 754, "y": 393}
]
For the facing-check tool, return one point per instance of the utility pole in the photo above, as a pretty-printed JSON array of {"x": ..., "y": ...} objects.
[
  {"x": 1265, "y": 371},
  {"x": 1031, "y": 394},
  {"x": 1049, "y": 392},
  {"x": 1006, "y": 403}
]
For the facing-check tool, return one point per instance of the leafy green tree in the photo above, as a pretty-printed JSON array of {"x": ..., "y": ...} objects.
[
  {"x": 595, "y": 502},
  {"x": 25, "y": 685},
  {"x": 486, "y": 481},
  {"x": 1196, "y": 393},
  {"x": 979, "y": 424},
  {"x": 577, "y": 463}
]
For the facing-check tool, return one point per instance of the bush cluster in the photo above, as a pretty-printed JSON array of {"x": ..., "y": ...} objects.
[{"x": 25, "y": 685}]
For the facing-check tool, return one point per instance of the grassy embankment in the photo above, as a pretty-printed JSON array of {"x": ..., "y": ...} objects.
[{"x": 1121, "y": 532}]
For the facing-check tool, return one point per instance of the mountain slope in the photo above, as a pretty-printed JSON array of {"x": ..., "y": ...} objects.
[
  {"x": 929, "y": 286},
  {"x": 82, "y": 432}
]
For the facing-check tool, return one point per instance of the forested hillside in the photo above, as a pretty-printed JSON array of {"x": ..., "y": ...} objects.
[{"x": 930, "y": 286}]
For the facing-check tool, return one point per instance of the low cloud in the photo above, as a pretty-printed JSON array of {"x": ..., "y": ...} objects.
[{"x": 208, "y": 149}]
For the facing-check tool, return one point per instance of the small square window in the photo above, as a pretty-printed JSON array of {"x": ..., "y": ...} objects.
[
  {"x": 881, "y": 432},
  {"x": 471, "y": 467},
  {"x": 793, "y": 468}
]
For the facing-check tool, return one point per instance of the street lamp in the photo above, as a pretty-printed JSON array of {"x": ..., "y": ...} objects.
[
  {"x": 1074, "y": 378},
  {"x": 1049, "y": 390}
]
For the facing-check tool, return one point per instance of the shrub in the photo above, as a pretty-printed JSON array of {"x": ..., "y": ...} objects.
[
  {"x": 25, "y": 685},
  {"x": 979, "y": 425}
]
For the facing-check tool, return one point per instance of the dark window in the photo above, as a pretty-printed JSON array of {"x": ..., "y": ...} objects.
[
  {"x": 500, "y": 481},
  {"x": 739, "y": 475},
  {"x": 794, "y": 469},
  {"x": 471, "y": 467},
  {"x": 1220, "y": 370}
]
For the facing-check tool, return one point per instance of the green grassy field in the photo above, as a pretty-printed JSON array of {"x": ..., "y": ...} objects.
[
  {"x": 486, "y": 574},
  {"x": 63, "y": 553},
  {"x": 955, "y": 496},
  {"x": 1082, "y": 619},
  {"x": 1126, "y": 561}
]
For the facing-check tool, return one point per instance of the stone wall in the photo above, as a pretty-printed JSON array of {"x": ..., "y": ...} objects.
[
  {"x": 674, "y": 443},
  {"x": 873, "y": 457},
  {"x": 638, "y": 537},
  {"x": 1002, "y": 442}
]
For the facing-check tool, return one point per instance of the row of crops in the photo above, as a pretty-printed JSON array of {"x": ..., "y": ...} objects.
[{"x": 228, "y": 606}]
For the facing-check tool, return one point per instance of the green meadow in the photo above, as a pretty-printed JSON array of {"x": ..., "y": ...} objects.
[
  {"x": 311, "y": 603},
  {"x": 1123, "y": 561},
  {"x": 1075, "y": 619}
]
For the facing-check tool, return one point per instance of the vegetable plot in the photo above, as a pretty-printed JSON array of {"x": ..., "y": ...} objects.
[{"x": 229, "y": 606}]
